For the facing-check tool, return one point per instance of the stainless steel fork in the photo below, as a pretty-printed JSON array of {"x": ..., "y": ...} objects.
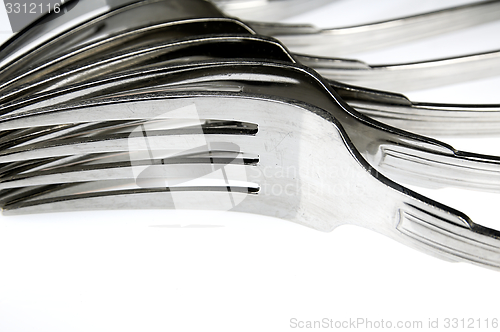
[
  {"x": 304, "y": 169},
  {"x": 90, "y": 64},
  {"x": 131, "y": 141},
  {"x": 403, "y": 156},
  {"x": 43, "y": 36}
]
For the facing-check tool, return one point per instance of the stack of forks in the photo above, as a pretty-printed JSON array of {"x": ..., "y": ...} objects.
[{"x": 176, "y": 104}]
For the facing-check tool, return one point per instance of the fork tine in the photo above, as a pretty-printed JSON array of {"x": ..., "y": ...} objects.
[
  {"x": 440, "y": 159},
  {"x": 383, "y": 205},
  {"x": 172, "y": 143},
  {"x": 151, "y": 175},
  {"x": 94, "y": 25},
  {"x": 380, "y": 106},
  {"x": 424, "y": 118},
  {"x": 435, "y": 170}
]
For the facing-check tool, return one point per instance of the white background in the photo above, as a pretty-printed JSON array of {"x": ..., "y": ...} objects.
[{"x": 138, "y": 271}]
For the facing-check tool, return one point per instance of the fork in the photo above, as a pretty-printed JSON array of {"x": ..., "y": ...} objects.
[
  {"x": 400, "y": 77},
  {"x": 403, "y": 156},
  {"x": 108, "y": 33},
  {"x": 324, "y": 181},
  {"x": 396, "y": 110},
  {"x": 41, "y": 38}
]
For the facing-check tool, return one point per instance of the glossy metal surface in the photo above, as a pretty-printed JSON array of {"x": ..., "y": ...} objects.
[
  {"x": 401, "y": 155},
  {"x": 86, "y": 24},
  {"x": 267, "y": 10},
  {"x": 108, "y": 33},
  {"x": 108, "y": 127},
  {"x": 89, "y": 63},
  {"x": 136, "y": 15},
  {"x": 400, "y": 77},
  {"x": 404, "y": 77},
  {"x": 362, "y": 196},
  {"x": 342, "y": 41},
  {"x": 51, "y": 25},
  {"x": 117, "y": 48}
]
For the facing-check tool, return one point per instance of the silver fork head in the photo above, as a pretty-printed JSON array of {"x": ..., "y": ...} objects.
[
  {"x": 96, "y": 23},
  {"x": 406, "y": 157},
  {"x": 142, "y": 14},
  {"x": 300, "y": 165},
  {"x": 76, "y": 68},
  {"x": 415, "y": 117}
]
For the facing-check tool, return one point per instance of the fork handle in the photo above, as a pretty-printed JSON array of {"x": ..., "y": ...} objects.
[
  {"x": 446, "y": 235},
  {"x": 341, "y": 41},
  {"x": 433, "y": 119},
  {"x": 408, "y": 76},
  {"x": 433, "y": 169}
]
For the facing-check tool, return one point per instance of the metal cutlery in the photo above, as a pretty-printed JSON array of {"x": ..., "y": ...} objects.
[
  {"x": 88, "y": 64},
  {"x": 94, "y": 22},
  {"x": 188, "y": 109},
  {"x": 318, "y": 177},
  {"x": 403, "y": 156}
]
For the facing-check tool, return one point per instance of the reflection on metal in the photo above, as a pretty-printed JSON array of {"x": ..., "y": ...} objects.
[{"x": 169, "y": 104}]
